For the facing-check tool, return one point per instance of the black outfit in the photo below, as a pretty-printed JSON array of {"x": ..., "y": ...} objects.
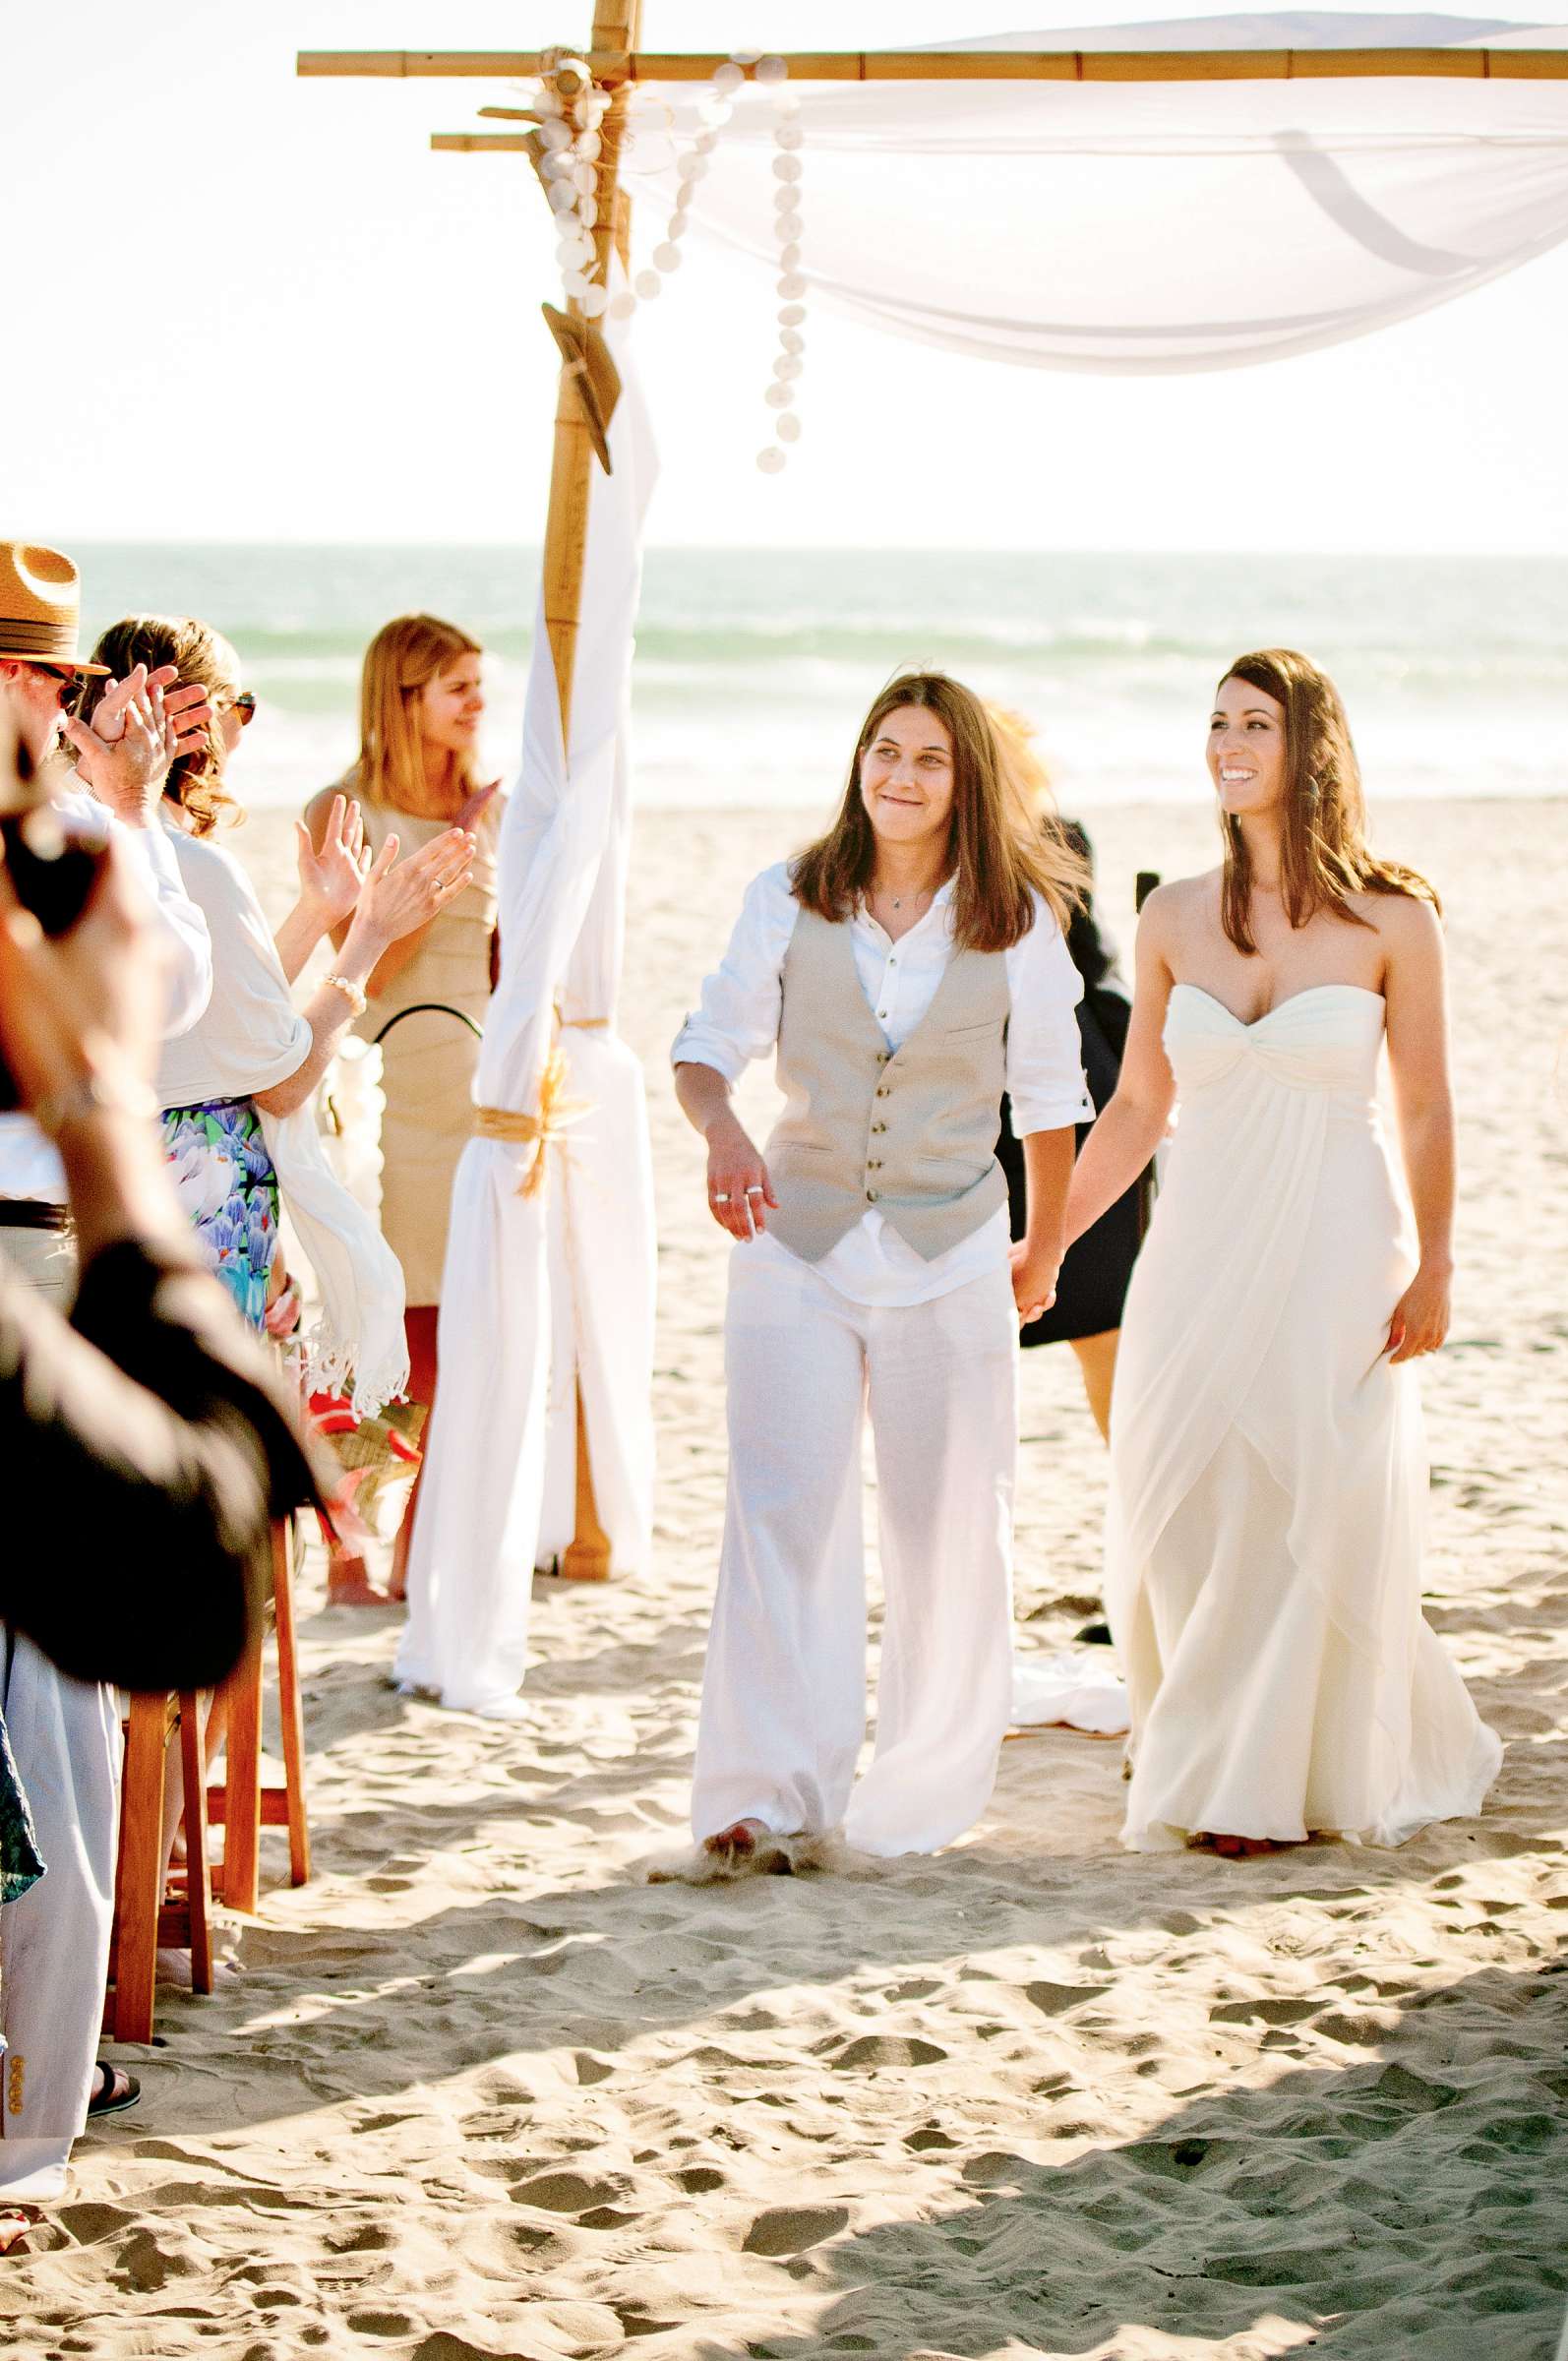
[
  {"x": 146, "y": 1447},
  {"x": 1093, "y": 1282}
]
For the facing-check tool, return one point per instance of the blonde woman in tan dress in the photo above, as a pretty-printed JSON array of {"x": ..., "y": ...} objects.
[{"x": 421, "y": 702}]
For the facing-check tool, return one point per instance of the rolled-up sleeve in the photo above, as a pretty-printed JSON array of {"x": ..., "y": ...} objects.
[
  {"x": 181, "y": 927},
  {"x": 1044, "y": 1055},
  {"x": 738, "y": 1018}
]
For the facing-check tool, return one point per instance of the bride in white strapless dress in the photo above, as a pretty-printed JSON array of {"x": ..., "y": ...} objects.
[{"x": 1269, "y": 1477}]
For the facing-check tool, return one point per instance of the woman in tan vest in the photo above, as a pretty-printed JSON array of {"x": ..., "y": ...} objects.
[
  {"x": 905, "y": 969},
  {"x": 416, "y": 776}
]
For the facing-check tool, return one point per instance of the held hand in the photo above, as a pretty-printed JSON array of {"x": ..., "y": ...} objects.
[
  {"x": 400, "y": 896},
  {"x": 739, "y": 1187},
  {"x": 331, "y": 880},
  {"x": 90, "y": 1002},
  {"x": 1034, "y": 1278},
  {"x": 1421, "y": 1316}
]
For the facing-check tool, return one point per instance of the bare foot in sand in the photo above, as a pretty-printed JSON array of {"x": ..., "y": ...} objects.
[
  {"x": 348, "y": 1584},
  {"x": 15, "y": 2223},
  {"x": 752, "y": 1850}
]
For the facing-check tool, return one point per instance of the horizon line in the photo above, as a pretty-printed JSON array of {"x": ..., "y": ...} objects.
[{"x": 782, "y": 549}]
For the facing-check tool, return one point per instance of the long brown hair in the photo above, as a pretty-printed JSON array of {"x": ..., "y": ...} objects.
[
  {"x": 404, "y": 657},
  {"x": 996, "y": 863},
  {"x": 1324, "y": 856},
  {"x": 198, "y": 654}
]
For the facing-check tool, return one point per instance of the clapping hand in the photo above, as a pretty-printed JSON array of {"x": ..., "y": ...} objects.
[
  {"x": 330, "y": 879},
  {"x": 138, "y": 729},
  {"x": 400, "y": 896}
]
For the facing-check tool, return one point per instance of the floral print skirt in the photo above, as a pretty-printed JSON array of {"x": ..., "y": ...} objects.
[{"x": 225, "y": 1183}]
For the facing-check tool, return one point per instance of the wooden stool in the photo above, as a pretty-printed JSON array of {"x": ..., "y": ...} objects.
[
  {"x": 145, "y": 1915},
  {"x": 245, "y": 1803}
]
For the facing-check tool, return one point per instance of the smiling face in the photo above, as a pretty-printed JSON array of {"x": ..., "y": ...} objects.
[
  {"x": 1246, "y": 750},
  {"x": 449, "y": 710},
  {"x": 907, "y": 777}
]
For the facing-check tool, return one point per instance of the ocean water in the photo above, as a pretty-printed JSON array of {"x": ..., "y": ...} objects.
[{"x": 754, "y": 666}]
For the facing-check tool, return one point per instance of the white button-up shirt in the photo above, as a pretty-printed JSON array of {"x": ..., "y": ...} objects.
[
  {"x": 739, "y": 1021},
  {"x": 29, "y": 1163}
]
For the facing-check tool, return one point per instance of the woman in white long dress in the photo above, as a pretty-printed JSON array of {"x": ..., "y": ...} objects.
[
  {"x": 904, "y": 969},
  {"x": 1268, "y": 1468}
]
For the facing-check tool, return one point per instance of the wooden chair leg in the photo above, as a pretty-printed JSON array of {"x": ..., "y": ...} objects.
[
  {"x": 139, "y": 1885},
  {"x": 242, "y": 1793},
  {"x": 198, "y": 1874},
  {"x": 289, "y": 1707}
]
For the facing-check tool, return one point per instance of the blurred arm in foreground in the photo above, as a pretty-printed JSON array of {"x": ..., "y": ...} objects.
[{"x": 149, "y": 1430}]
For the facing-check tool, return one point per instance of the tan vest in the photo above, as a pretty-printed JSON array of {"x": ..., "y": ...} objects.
[{"x": 911, "y": 1133}]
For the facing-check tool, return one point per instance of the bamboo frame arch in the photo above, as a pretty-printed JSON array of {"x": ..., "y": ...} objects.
[{"x": 618, "y": 64}]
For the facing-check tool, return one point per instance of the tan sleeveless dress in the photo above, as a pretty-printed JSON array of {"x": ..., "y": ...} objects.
[{"x": 428, "y": 1060}]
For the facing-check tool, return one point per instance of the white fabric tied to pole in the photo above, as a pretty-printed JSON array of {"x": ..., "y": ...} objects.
[
  {"x": 1128, "y": 227},
  {"x": 600, "y": 1251},
  {"x": 600, "y": 1237},
  {"x": 476, "y": 1535}
]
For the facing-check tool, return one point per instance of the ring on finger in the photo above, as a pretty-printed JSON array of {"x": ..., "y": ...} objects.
[{"x": 721, "y": 1196}]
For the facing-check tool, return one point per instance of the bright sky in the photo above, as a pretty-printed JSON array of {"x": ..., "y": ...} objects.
[{"x": 264, "y": 310}]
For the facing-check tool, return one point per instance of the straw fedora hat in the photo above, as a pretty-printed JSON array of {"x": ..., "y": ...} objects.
[{"x": 40, "y": 607}]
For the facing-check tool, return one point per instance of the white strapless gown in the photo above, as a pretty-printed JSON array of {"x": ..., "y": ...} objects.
[{"x": 1268, "y": 1467}]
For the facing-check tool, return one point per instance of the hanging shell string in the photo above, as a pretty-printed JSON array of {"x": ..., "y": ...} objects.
[
  {"x": 714, "y": 110},
  {"x": 569, "y": 137},
  {"x": 788, "y": 139}
]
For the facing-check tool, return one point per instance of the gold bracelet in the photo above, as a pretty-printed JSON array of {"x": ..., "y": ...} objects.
[{"x": 350, "y": 992}]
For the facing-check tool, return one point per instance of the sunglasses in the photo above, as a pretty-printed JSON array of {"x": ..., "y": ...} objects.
[
  {"x": 242, "y": 703},
  {"x": 65, "y": 677}
]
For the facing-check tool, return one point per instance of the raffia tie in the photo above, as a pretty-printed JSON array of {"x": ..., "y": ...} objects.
[{"x": 537, "y": 1130}]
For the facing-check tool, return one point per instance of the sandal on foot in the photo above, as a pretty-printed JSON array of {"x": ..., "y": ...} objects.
[{"x": 118, "y": 2092}]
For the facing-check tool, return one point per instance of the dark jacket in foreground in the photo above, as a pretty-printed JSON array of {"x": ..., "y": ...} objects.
[{"x": 144, "y": 1448}]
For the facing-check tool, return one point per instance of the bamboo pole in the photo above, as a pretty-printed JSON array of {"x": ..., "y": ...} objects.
[
  {"x": 613, "y": 68},
  {"x": 481, "y": 143},
  {"x": 615, "y": 24}
]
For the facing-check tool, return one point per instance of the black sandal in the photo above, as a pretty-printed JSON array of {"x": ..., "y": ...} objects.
[{"x": 120, "y": 2091}]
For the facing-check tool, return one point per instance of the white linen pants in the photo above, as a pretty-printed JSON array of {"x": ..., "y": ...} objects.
[
  {"x": 784, "y": 1691},
  {"x": 54, "y": 1941}
]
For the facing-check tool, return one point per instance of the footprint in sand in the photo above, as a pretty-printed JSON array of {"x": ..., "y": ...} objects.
[
  {"x": 565, "y": 2193},
  {"x": 1263, "y": 2012},
  {"x": 791, "y": 2229},
  {"x": 1054, "y": 2000},
  {"x": 887, "y": 2049}
]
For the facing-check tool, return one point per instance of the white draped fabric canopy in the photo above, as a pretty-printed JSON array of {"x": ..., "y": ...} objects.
[{"x": 1128, "y": 228}]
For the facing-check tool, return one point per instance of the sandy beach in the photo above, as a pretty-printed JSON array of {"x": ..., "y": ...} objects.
[{"x": 481, "y": 2090}]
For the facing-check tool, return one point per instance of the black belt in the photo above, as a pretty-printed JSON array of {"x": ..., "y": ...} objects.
[{"x": 34, "y": 1213}]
